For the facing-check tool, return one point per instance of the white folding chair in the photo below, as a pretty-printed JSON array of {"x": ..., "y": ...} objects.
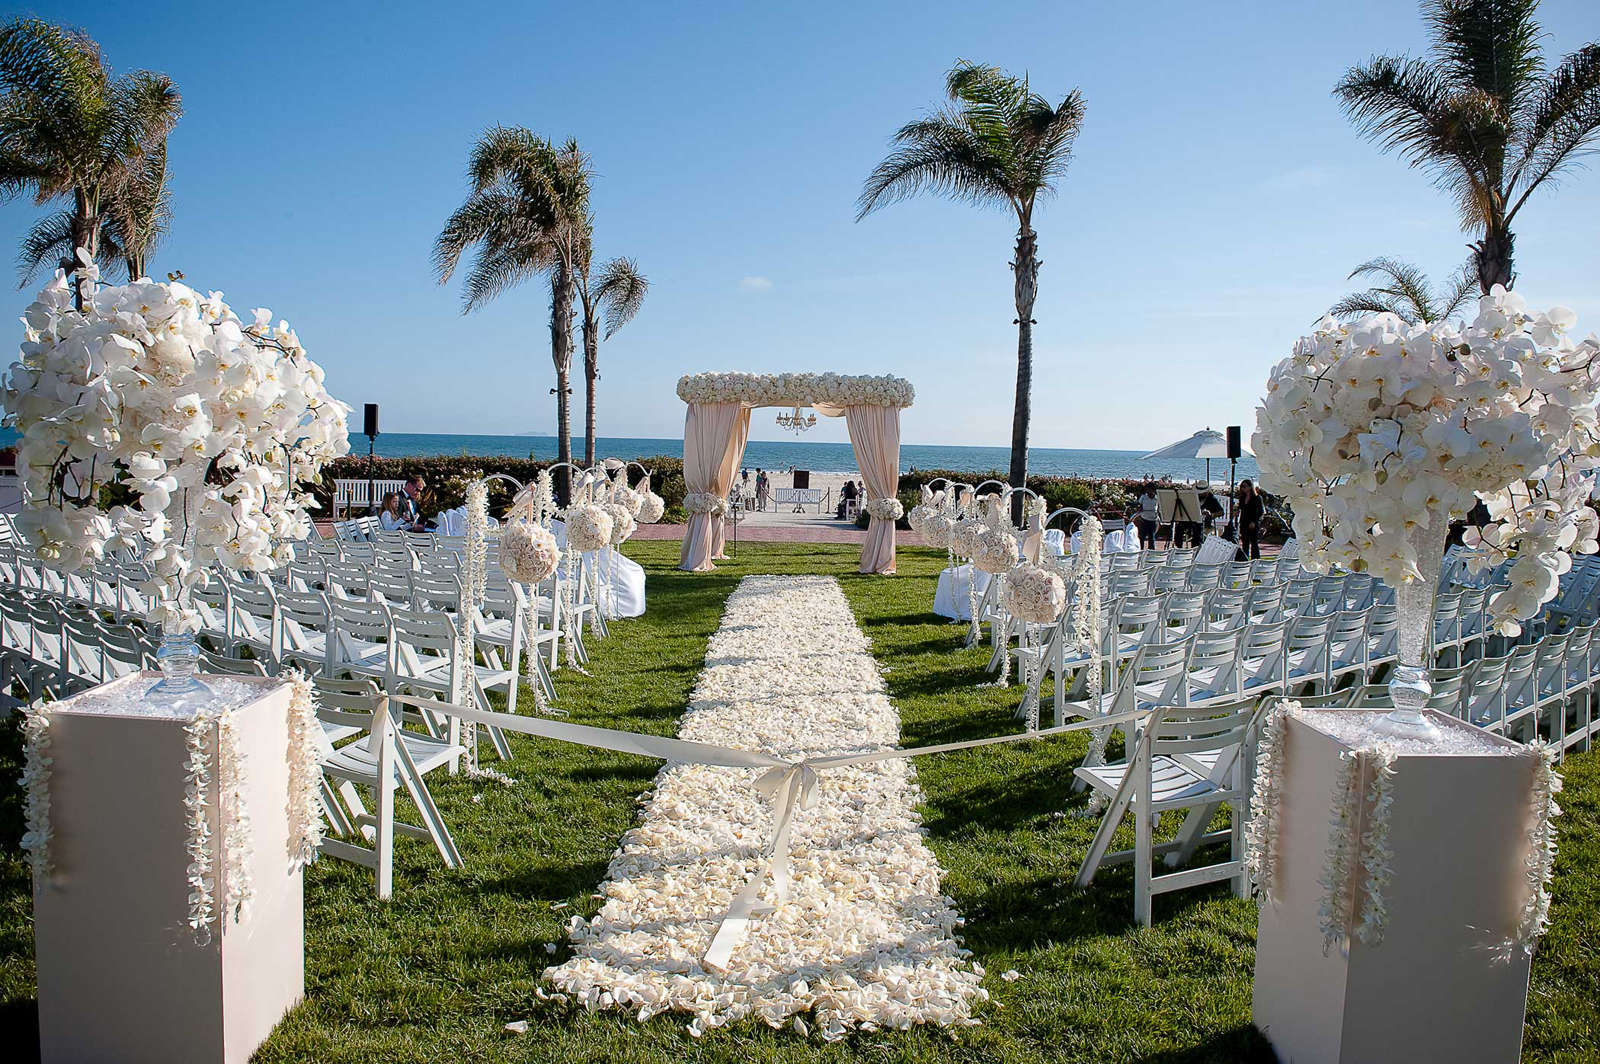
[
  {"x": 386, "y": 756},
  {"x": 1153, "y": 780}
]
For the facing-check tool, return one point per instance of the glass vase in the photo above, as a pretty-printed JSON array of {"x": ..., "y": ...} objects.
[
  {"x": 1411, "y": 684},
  {"x": 178, "y": 657}
]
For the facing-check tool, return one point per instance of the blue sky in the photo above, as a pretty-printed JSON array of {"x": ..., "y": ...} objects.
[{"x": 1217, "y": 200}]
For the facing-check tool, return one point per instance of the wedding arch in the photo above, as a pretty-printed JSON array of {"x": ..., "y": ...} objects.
[{"x": 717, "y": 427}]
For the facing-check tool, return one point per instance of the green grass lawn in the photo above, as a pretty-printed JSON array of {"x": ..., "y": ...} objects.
[{"x": 436, "y": 973}]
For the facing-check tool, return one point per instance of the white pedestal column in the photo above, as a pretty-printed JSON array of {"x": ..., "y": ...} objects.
[
  {"x": 121, "y": 977},
  {"x": 1444, "y": 983}
]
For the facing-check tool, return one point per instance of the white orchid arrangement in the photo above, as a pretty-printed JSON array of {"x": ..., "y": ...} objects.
[
  {"x": 796, "y": 389},
  {"x": 1380, "y": 433},
  {"x": 155, "y": 418}
]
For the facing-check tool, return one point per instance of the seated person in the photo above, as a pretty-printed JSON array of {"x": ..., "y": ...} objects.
[
  {"x": 411, "y": 503},
  {"x": 390, "y": 517},
  {"x": 847, "y": 495}
]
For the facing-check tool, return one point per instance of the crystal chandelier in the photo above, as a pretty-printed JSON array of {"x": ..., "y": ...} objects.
[{"x": 796, "y": 421}]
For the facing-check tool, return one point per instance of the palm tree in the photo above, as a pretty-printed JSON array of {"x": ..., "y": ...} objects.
[
  {"x": 68, "y": 129},
  {"x": 998, "y": 144},
  {"x": 1406, "y": 292},
  {"x": 130, "y": 228},
  {"x": 527, "y": 215},
  {"x": 617, "y": 292},
  {"x": 1482, "y": 115}
]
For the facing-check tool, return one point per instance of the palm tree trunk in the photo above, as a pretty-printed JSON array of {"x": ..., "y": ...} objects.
[
  {"x": 85, "y": 234},
  {"x": 561, "y": 287},
  {"x": 1025, "y": 267},
  {"x": 591, "y": 373},
  {"x": 1493, "y": 257}
]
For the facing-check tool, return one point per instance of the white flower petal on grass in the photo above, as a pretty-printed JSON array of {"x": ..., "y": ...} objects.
[{"x": 789, "y": 673}]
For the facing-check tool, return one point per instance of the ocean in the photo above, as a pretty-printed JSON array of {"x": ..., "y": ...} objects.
[
  {"x": 817, "y": 457},
  {"x": 798, "y": 454}
]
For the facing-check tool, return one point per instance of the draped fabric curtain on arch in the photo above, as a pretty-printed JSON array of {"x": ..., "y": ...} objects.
[{"x": 717, "y": 426}]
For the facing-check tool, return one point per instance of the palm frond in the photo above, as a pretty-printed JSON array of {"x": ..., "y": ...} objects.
[
  {"x": 526, "y": 214},
  {"x": 1396, "y": 103},
  {"x": 1463, "y": 288},
  {"x": 141, "y": 209},
  {"x": 1490, "y": 45},
  {"x": 936, "y": 154},
  {"x": 1407, "y": 285},
  {"x": 1358, "y": 303},
  {"x": 620, "y": 291},
  {"x": 46, "y": 243},
  {"x": 1563, "y": 126},
  {"x": 491, "y": 273}
]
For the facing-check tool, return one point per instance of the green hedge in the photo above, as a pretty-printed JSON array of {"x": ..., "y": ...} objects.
[{"x": 446, "y": 477}]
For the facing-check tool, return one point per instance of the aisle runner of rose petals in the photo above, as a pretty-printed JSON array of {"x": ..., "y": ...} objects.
[{"x": 866, "y": 939}]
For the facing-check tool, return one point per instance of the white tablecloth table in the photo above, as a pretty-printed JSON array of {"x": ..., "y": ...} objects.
[
  {"x": 950, "y": 599},
  {"x": 626, "y": 576}
]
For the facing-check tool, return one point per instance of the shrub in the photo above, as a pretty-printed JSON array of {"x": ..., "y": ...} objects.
[{"x": 447, "y": 477}]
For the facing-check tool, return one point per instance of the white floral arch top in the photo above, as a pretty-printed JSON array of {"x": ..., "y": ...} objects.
[{"x": 820, "y": 390}]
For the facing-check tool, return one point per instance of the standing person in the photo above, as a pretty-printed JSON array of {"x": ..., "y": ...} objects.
[
  {"x": 763, "y": 489},
  {"x": 1147, "y": 518},
  {"x": 1251, "y": 510}
]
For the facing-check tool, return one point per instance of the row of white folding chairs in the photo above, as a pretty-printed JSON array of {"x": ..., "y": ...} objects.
[
  {"x": 1279, "y": 655},
  {"x": 403, "y": 650},
  {"x": 1128, "y": 619},
  {"x": 51, "y": 648},
  {"x": 1195, "y": 758}
]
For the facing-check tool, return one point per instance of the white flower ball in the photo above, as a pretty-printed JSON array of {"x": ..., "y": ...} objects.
[
  {"x": 528, "y": 552},
  {"x": 1034, "y": 594},
  {"x": 623, "y": 525},
  {"x": 628, "y": 499},
  {"x": 936, "y": 529},
  {"x": 996, "y": 551},
  {"x": 885, "y": 509},
  {"x": 702, "y": 502},
  {"x": 588, "y": 528},
  {"x": 966, "y": 536},
  {"x": 652, "y": 508}
]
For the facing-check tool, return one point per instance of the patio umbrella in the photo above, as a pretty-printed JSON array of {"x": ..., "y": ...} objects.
[{"x": 1206, "y": 444}]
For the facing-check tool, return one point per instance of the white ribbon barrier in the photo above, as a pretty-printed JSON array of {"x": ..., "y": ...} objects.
[{"x": 789, "y": 785}]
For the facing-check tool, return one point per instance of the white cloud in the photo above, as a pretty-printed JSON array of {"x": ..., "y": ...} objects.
[{"x": 755, "y": 284}]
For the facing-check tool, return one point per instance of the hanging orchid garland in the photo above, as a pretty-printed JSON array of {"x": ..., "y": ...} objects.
[
  {"x": 474, "y": 582},
  {"x": 35, "y": 781},
  {"x": 305, "y": 772}
]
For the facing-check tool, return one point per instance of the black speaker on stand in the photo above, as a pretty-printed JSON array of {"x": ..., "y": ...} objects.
[
  {"x": 1235, "y": 449},
  {"x": 369, "y": 428}
]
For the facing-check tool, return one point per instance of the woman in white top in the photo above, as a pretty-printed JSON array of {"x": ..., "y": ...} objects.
[
  {"x": 390, "y": 518},
  {"x": 1146, "y": 521}
]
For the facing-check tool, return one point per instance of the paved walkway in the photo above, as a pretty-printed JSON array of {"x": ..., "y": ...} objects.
[{"x": 816, "y": 531}]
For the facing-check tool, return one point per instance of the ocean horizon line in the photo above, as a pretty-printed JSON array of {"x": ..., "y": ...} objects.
[{"x": 814, "y": 456}]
